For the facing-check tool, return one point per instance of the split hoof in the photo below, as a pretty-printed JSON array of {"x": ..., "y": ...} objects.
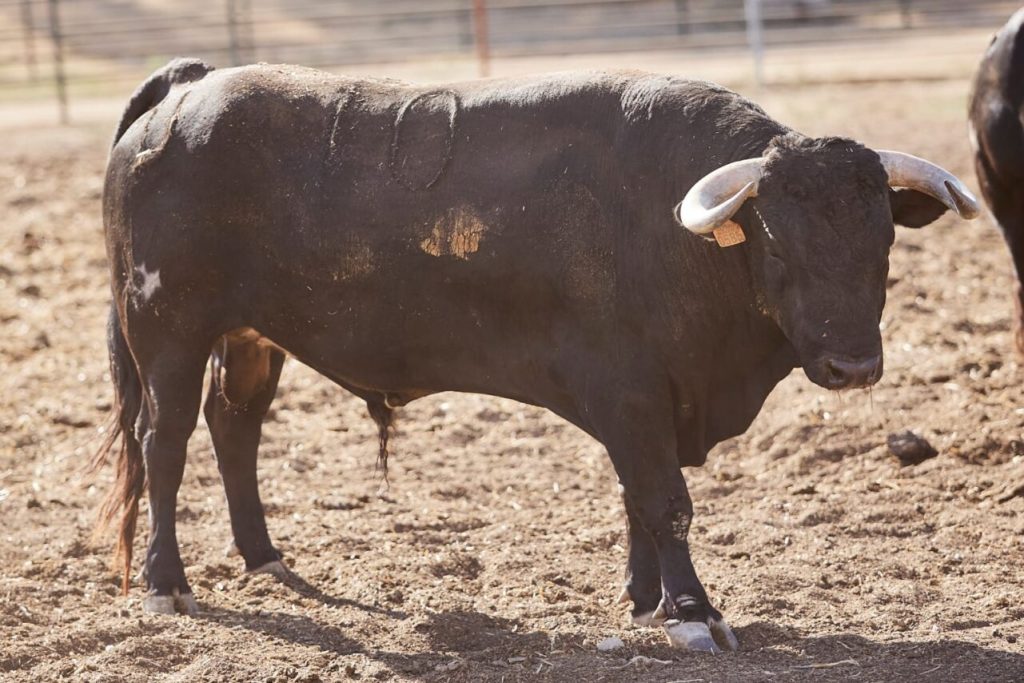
[
  {"x": 276, "y": 568},
  {"x": 176, "y": 603},
  {"x": 691, "y": 635},
  {"x": 231, "y": 550},
  {"x": 723, "y": 635}
]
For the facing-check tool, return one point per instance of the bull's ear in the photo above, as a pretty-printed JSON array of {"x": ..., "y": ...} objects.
[{"x": 913, "y": 209}]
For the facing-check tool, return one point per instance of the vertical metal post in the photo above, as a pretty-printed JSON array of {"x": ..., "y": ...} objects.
[
  {"x": 905, "y": 13},
  {"x": 464, "y": 19},
  {"x": 58, "y": 60},
  {"x": 755, "y": 38},
  {"x": 682, "y": 17},
  {"x": 29, "y": 40},
  {"x": 249, "y": 31},
  {"x": 233, "y": 50},
  {"x": 483, "y": 43}
]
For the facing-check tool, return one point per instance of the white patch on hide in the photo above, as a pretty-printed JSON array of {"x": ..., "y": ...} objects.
[{"x": 150, "y": 282}]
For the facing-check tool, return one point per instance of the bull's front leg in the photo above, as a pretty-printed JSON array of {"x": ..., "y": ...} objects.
[
  {"x": 659, "y": 510},
  {"x": 643, "y": 575}
]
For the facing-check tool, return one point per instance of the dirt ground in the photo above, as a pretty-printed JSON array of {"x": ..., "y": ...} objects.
[{"x": 497, "y": 552}]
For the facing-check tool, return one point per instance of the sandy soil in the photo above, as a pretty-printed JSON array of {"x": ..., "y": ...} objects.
[{"x": 497, "y": 552}]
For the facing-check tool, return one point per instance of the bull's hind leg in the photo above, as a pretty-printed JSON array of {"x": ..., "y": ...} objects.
[
  {"x": 244, "y": 379},
  {"x": 172, "y": 380}
]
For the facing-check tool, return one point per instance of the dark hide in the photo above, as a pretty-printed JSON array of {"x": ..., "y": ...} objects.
[
  {"x": 509, "y": 237},
  {"x": 995, "y": 109}
]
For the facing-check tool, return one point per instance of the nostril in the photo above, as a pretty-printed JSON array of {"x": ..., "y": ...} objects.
[
  {"x": 836, "y": 374},
  {"x": 853, "y": 373}
]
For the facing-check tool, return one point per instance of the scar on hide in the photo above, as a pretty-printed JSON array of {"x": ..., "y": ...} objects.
[
  {"x": 421, "y": 146},
  {"x": 147, "y": 155},
  {"x": 457, "y": 233},
  {"x": 339, "y": 111},
  {"x": 357, "y": 261}
]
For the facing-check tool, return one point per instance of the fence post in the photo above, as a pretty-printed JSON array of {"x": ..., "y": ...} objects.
[
  {"x": 483, "y": 43},
  {"x": 905, "y": 13},
  {"x": 241, "y": 46},
  {"x": 249, "y": 37},
  {"x": 682, "y": 17},
  {"x": 58, "y": 60},
  {"x": 29, "y": 40},
  {"x": 752, "y": 13},
  {"x": 232, "y": 17}
]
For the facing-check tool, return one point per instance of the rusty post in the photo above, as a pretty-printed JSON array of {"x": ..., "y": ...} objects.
[{"x": 483, "y": 45}]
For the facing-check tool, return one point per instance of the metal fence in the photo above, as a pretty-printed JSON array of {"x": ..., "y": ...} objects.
[{"x": 91, "y": 46}]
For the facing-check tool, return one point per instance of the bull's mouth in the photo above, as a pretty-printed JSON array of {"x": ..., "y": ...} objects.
[{"x": 838, "y": 372}]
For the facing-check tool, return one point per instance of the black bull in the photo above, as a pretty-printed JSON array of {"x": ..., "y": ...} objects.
[
  {"x": 997, "y": 136},
  {"x": 507, "y": 237}
]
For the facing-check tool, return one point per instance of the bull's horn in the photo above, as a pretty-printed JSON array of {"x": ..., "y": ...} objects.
[
  {"x": 718, "y": 195},
  {"x": 906, "y": 170}
]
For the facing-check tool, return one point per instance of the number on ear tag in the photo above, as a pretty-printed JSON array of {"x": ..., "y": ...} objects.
[{"x": 729, "y": 234}]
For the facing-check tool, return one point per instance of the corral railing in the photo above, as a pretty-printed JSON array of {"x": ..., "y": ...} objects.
[{"x": 94, "y": 46}]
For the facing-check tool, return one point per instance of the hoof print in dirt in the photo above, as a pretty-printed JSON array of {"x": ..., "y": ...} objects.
[{"x": 909, "y": 448}]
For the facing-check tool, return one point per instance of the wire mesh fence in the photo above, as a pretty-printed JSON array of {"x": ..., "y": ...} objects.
[{"x": 95, "y": 46}]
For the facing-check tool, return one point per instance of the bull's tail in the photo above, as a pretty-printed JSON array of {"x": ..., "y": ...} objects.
[
  {"x": 123, "y": 499},
  {"x": 156, "y": 87}
]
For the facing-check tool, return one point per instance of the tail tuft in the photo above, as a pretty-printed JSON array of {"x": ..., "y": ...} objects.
[
  {"x": 130, "y": 484},
  {"x": 384, "y": 417}
]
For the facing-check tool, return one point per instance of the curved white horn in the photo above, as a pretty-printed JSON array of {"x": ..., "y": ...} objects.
[
  {"x": 718, "y": 195},
  {"x": 906, "y": 170}
]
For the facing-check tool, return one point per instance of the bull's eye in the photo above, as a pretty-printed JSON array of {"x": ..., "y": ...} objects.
[
  {"x": 796, "y": 192},
  {"x": 775, "y": 270}
]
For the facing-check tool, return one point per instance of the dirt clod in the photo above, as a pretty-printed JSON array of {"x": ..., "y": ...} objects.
[{"x": 909, "y": 448}]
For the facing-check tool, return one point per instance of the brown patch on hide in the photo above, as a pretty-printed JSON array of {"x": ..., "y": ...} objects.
[{"x": 457, "y": 234}]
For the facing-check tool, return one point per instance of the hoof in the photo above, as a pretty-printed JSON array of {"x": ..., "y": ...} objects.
[
  {"x": 623, "y": 597},
  {"x": 276, "y": 568},
  {"x": 691, "y": 635},
  {"x": 176, "y": 603},
  {"x": 232, "y": 550},
  {"x": 723, "y": 635}
]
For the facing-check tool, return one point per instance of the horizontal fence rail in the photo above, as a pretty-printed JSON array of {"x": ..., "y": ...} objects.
[{"x": 96, "y": 46}]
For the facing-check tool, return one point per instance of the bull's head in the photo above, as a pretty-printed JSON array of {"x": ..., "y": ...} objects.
[{"x": 819, "y": 216}]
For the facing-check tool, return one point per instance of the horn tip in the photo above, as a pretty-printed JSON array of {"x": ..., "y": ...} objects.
[{"x": 966, "y": 204}]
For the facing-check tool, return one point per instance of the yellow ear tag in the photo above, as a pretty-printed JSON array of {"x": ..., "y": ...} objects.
[{"x": 729, "y": 234}]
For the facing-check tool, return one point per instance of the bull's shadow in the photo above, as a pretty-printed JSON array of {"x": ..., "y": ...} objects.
[
  {"x": 312, "y": 592},
  {"x": 492, "y": 648}
]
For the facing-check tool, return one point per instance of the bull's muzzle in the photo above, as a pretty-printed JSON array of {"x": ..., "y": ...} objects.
[{"x": 843, "y": 373}]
